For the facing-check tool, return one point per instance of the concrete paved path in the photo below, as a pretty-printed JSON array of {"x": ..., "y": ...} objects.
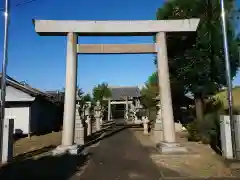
[{"x": 119, "y": 157}]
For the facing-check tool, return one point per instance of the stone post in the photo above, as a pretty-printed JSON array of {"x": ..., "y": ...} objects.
[
  {"x": 158, "y": 127},
  {"x": 109, "y": 109},
  {"x": 97, "y": 115},
  {"x": 101, "y": 117},
  {"x": 7, "y": 141},
  {"x": 70, "y": 97},
  {"x": 88, "y": 119},
  {"x": 79, "y": 127},
  {"x": 131, "y": 118},
  {"x": 126, "y": 108},
  {"x": 169, "y": 143},
  {"x": 145, "y": 125}
]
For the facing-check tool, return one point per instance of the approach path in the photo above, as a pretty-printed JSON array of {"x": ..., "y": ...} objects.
[{"x": 120, "y": 157}]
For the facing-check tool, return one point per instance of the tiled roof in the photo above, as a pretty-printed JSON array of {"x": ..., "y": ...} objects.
[
  {"x": 119, "y": 93},
  {"x": 24, "y": 87},
  {"x": 57, "y": 95}
]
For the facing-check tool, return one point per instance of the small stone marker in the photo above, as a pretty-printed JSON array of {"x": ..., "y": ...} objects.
[
  {"x": 145, "y": 125},
  {"x": 7, "y": 143}
]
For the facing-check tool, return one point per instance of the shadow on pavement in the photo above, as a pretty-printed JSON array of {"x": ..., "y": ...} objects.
[
  {"x": 48, "y": 167},
  {"x": 110, "y": 132},
  {"x": 33, "y": 153},
  {"x": 105, "y": 134}
]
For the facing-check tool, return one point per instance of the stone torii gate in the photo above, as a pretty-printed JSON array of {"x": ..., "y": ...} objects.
[{"x": 72, "y": 29}]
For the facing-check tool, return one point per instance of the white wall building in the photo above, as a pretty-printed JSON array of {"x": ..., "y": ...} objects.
[{"x": 32, "y": 110}]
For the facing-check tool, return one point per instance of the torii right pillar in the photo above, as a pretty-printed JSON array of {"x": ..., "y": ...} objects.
[{"x": 169, "y": 144}]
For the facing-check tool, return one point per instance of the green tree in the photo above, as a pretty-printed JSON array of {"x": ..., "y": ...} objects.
[
  {"x": 87, "y": 97},
  {"x": 150, "y": 91},
  {"x": 198, "y": 63},
  {"x": 153, "y": 79},
  {"x": 83, "y": 98},
  {"x": 100, "y": 91}
]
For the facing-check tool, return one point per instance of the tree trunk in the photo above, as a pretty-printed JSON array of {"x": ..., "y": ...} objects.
[{"x": 199, "y": 108}]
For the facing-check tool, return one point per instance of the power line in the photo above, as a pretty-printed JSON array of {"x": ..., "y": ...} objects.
[
  {"x": 20, "y": 4},
  {"x": 25, "y": 2}
]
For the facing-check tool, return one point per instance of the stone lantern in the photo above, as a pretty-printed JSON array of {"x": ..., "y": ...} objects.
[
  {"x": 87, "y": 108},
  {"x": 97, "y": 115}
]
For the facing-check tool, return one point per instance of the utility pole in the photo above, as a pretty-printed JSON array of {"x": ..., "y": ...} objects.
[
  {"x": 228, "y": 78},
  {"x": 4, "y": 69}
]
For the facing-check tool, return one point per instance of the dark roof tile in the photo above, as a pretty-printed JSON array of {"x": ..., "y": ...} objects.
[{"x": 119, "y": 93}]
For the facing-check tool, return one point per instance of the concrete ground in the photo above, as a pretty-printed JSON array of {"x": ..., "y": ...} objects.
[
  {"x": 123, "y": 157},
  {"x": 119, "y": 157},
  {"x": 200, "y": 162}
]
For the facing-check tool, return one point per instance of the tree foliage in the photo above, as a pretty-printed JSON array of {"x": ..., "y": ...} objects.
[
  {"x": 153, "y": 79},
  {"x": 82, "y": 97},
  {"x": 198, "y": 63},
  {"x": 87, "y": 97},
  {"x": 100, "y": 91},
  {"x": 150, "y": 91}
]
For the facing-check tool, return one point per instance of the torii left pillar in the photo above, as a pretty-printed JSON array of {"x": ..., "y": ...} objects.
[{"x": 70, "y": 98}]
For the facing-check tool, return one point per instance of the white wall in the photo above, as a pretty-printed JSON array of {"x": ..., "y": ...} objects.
[
  {"x": 21, "y": 118},
  {"x": 39, "y": 117},
  {"x": 13, "y": 94}
]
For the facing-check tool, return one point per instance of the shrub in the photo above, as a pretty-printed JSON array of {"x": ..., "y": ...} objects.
[
  {"x": 213, "y": 105},
  {"x": 209, "y": 128},
  {"x": 236, "y": 110},
  {"x": 193, "y": 131},
  {"x": 205, "y": 130}
]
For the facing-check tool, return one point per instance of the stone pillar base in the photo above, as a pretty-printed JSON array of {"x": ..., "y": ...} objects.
[
  {"x": 157, "y": 133},
  {"x": 171, "y": 148},
  {"x": 145, "y": 128},
  {"x": 80, "y": 134},
  {"x": 89, "y": 129},
  {"x": 61, "y": 150}
]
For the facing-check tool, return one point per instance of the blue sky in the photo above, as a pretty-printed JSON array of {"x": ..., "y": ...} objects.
[{"x": 40, "y": 61}]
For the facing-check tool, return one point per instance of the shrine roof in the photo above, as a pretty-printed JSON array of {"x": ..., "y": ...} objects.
[{"x": 121, "y": 92}]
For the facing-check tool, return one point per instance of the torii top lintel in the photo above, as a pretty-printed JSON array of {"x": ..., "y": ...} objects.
[{"x": 112, "y": 28}]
